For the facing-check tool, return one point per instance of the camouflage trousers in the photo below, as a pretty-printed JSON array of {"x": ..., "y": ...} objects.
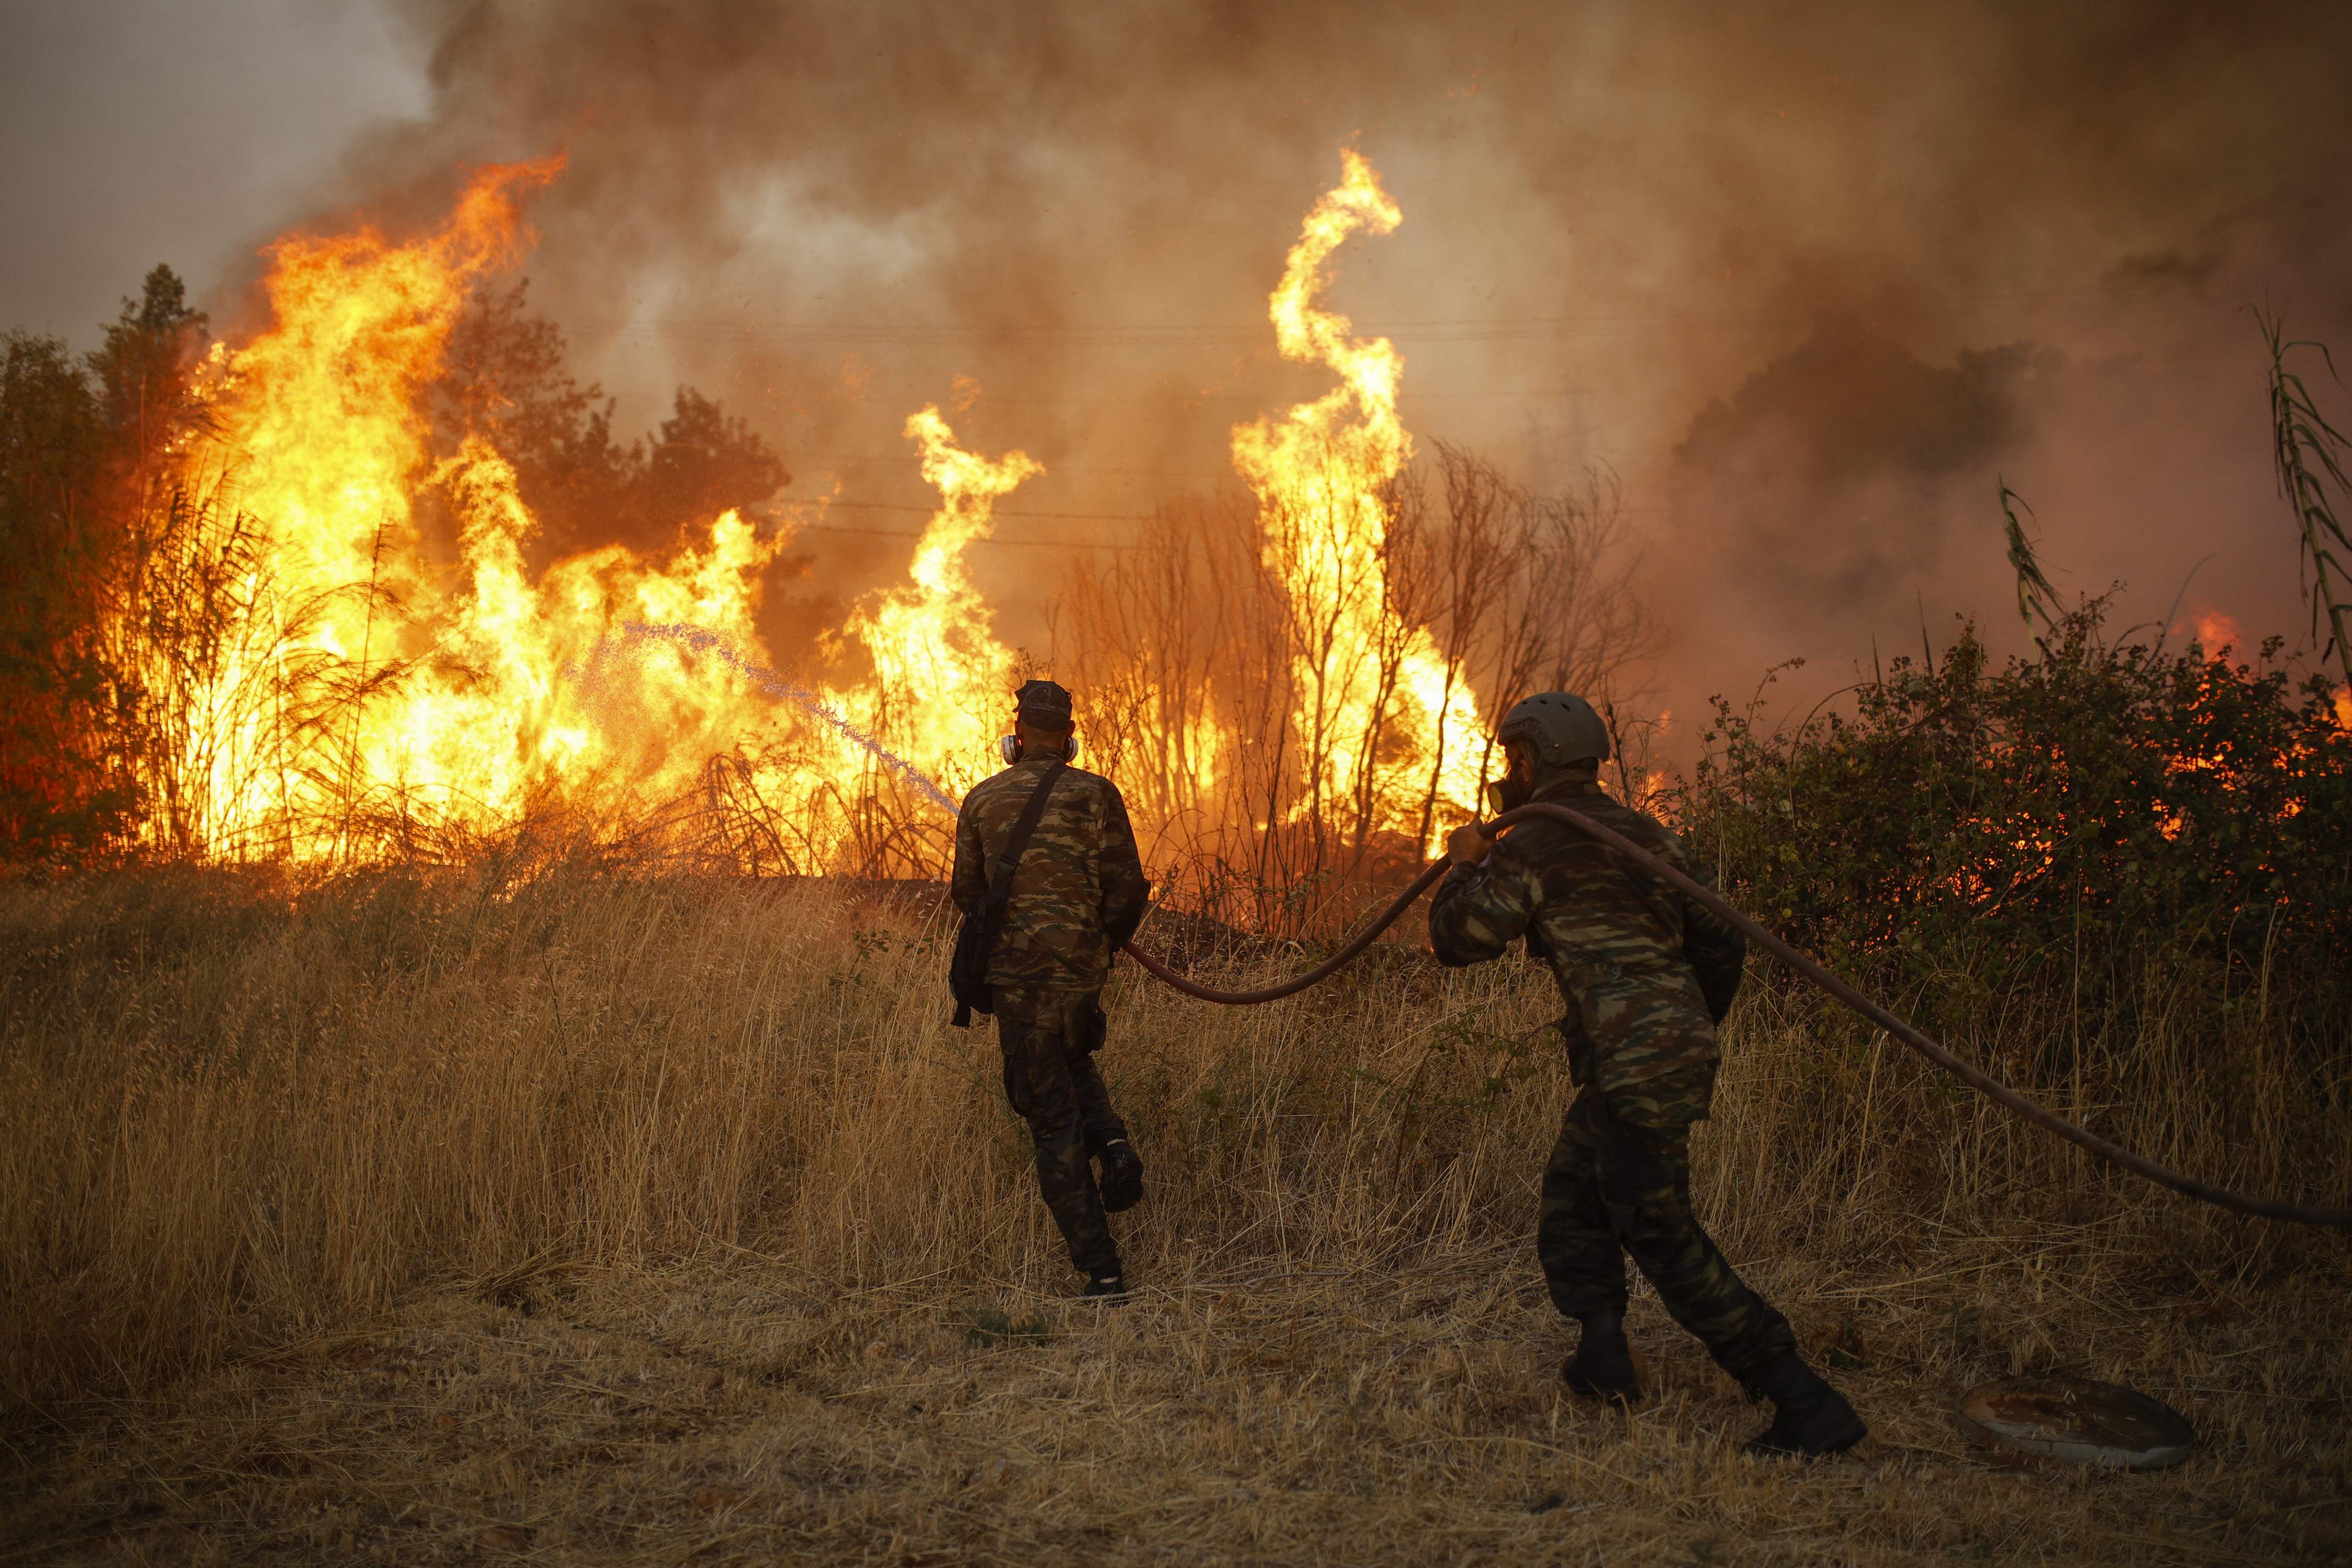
[
  {"x": 1619, "y": 1182},
  {"x": 1051, "y": 1083}
]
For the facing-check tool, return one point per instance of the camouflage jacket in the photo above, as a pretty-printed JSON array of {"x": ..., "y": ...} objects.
[
  {"x": 1079, "y": 891},
  {"x": 1647, "y": 971}
]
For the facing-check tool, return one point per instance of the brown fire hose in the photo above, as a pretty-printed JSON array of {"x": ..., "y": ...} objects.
[
  {"x": 1990, "y": 1088},
  {"x": 1321, "y": 972}
]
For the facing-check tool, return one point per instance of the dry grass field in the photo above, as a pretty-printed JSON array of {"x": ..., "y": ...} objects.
[{"x": 551, "y": 1213}]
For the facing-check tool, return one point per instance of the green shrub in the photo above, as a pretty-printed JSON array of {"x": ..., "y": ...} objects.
[{"x": 1974, "y": 832}]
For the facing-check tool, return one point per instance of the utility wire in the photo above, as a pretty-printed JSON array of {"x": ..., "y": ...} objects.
[
  {"x": 1488, "y": 329},
  {"x": 800, "y": 528},
  {"x": 1058, "y": 516},
  {"x": 984, "y": 539}
]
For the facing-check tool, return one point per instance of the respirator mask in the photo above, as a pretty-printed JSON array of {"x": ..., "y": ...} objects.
[
  {"x": 1009, "y": 748},
  {"x": 1511, "y": 791},
  {"x": 1505, "y": 793}
]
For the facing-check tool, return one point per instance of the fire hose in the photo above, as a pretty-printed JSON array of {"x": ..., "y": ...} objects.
[{"x": 1984, "y": 1083}]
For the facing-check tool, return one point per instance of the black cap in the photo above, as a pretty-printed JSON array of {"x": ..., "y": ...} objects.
[{"x": 1043, "y": 703}]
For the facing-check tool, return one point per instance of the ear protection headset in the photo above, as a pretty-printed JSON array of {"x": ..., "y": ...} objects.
[{"x": 1009, "y": 748}]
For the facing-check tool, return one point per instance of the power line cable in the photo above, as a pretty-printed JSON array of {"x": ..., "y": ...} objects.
[
  {"x": 1488, "y": 329},
  {"x": 984, "y": 539},
  {"x": 933, "y": 509}
]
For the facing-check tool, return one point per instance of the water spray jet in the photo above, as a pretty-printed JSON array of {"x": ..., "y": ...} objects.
[{"x": 704, "y": 641}]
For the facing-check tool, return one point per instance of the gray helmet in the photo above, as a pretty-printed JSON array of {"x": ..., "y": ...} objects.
[{"x": 1558, "y": 728}]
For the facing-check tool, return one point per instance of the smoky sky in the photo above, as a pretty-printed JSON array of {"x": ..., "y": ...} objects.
[
  {"x": 1812, "y": 280},
  {"x": 133, "y": 132}
]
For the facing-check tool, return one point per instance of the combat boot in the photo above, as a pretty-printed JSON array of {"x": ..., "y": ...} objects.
[
  {"x": 1122, "y": 1176},
  {"x": 1603, "y": 1366},
  {"x": 1811, "y": 1420},
  {"x": 1109, "y": 1284}
]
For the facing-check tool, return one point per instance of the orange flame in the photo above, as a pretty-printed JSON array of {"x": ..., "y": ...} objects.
[
  {"x": 375, "y": 685},
  {"x": 458, "y": 705},
  {"x": 470, "y": 688},
  {"x": 2216, "y": 631},
  {"x": 942, "y": 681},
  {"x": 1318, "y": 473}
]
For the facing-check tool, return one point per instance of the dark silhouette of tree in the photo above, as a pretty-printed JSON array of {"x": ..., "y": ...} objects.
[
  {"x": 702, "y": 462},
  {"x": 505, "y": 379},
  {"x": 79, "y": 440}
]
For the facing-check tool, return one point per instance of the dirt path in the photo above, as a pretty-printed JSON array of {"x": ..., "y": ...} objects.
[{"x": 733, "y": 1414}]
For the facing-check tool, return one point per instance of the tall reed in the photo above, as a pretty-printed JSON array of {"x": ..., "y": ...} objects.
[{"x": 237, "y": 1110}]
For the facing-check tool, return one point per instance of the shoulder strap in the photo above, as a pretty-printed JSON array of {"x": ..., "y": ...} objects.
[
  {"x": 999, "y": 887},
  {"x": 976, "y": 941}
]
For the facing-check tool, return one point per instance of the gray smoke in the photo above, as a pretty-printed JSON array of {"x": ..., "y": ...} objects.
[{"x": 1810, "y": 279}]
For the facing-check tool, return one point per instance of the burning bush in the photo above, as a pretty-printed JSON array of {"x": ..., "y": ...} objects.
[
  {"x": 224, "y": 633},
  {"x": 2117, "y": 870},
  {"x": 2102, "y": 798}
]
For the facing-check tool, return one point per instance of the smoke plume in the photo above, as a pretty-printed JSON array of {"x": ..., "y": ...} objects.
[{"x": 1809, "y": 281}]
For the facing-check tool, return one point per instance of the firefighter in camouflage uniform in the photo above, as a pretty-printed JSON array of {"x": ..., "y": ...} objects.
[
  {"x": 1078, "y": 894},
  {"x": 1647, "y": 973}
]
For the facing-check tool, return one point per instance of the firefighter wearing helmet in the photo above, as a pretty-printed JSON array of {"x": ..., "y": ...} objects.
[
  {"x": 1051, "y": 844},
  {"x": 1647, "y": 973}
]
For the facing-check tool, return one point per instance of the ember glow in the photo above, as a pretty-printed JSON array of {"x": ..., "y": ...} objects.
[
  {"x": 378, "y": 693},
  {"x": 2216, "y": 631}
]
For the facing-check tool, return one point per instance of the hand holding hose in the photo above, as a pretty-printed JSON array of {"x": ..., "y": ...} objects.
[{"x": 1470, "y": 844}]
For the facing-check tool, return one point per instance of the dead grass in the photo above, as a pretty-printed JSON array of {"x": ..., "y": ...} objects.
[{"x": 600, "y": 1219}]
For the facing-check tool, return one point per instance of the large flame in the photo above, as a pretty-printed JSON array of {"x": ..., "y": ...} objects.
[
  {"x": 938, "y": 696},
  {"x": 452, "y": 690},
  {"x": 1380, "y": 709},
  {"x": 464, "y": 692},
  {"x": 377, "y": 683}
]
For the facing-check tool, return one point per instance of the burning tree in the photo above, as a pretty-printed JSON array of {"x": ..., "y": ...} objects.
[
  {"x": 1293, "y": 686},
  {"x": 85, "y": 450}
]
